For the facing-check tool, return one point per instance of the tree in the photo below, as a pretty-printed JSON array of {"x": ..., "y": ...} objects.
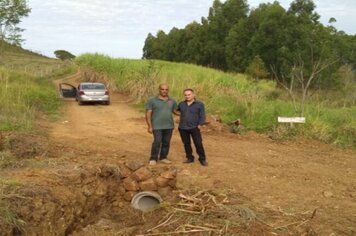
[
  {"x": 313, "y": 63},
  {"x": 222, "y": 17},
  {"x": 262, "y": 33},
  {"x": 156, "y": 47},
  {"x": 271, "y": 37},
  {"x": 304, "y": 10},
  {"x": 175, "y": 45},
  {"x": 193, "y": 43},
  {"x": 257, "y": 70},
  {"x": 11, "y": 13},
  {"x": 64, "y": 55},
  {"x": 147, "y": 48}
]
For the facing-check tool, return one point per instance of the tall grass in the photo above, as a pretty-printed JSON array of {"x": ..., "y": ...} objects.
[
  {"x": 19, "y": 60},
  {"x": 231, "y": 96},
  {"x": 22, "y": 98}
]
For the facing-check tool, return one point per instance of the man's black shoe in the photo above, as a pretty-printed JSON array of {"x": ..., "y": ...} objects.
[
  {"x": 204, "y": 163},
  {"x": 188, "y": 161}
]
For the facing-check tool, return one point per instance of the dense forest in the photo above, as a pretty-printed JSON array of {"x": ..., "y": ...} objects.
[{"x": 268, "y": 42}]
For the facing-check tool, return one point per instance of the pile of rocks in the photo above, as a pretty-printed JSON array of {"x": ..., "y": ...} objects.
[{"x": 137, "y": 177}]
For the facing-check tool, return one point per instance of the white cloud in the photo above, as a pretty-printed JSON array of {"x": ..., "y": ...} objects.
[{"x": 119, "y": 28}]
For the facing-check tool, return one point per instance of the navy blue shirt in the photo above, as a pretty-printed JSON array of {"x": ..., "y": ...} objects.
[{"x": 191, "y": 116}]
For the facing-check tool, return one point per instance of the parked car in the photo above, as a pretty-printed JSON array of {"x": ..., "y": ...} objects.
[{"x": 86, "y": 92}]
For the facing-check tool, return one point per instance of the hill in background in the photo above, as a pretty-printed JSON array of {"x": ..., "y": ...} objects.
[{"x": 17, "y": 59}]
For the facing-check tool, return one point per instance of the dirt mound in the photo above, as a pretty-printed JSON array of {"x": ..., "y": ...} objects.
[{"x": 23, "y": 146}]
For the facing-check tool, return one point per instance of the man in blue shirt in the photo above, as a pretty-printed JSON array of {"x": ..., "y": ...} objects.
[
  {"x": 160, "y": 123},
  {"x": 192, "y": 117}
]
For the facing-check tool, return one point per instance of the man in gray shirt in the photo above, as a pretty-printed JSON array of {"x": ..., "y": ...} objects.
[
  {"x": 192, "y": 117},
  {"x": 160, "y": 123}
]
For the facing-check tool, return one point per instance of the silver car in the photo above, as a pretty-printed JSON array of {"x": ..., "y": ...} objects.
[{"x": 86, "y": 92}]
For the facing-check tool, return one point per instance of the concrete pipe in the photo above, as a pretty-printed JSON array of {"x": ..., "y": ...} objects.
[{"x": 146, "y": 200}]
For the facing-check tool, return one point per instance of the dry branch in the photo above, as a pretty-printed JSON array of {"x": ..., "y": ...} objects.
[{"x": 163, "y": 223}]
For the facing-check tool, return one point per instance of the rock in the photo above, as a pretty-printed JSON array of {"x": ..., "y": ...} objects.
[
  {"x": 328, "y": 194},
  {"x": 171, "y": 174},
  {"x": 162, "y": 182},
  {"x": 131, "y": 184},
  {"x": 172, "y": 183},
  {"x": 142, "y": 174},
  {"x": 125, "y": 171},
  {"x": 108, "y": 170},
  {"x": 148, "y": 185},
  {"x": 134, "y": 165}
]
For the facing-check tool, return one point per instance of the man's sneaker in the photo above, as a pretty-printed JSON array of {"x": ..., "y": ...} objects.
[
  {"x": 152, "y": 162},
  {"x": 166, "y": 161},
  {"x": 188, "y": 161},
  {"x": 204, "y": 163}
]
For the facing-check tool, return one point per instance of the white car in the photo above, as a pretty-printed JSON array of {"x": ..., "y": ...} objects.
[{"x": 86, "y": 92}]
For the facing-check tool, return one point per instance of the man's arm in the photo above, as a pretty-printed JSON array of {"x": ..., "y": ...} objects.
[
  {"x": 201, "y": 116},
  {"x": 176, "y": 112},
  {"x": 176, "y": 109},
  {"x": 148, "y": 120}
]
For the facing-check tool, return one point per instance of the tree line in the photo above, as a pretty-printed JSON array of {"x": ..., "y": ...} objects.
[{"x": 267, "y": 42}]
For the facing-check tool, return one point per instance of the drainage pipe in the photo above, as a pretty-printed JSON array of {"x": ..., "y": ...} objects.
[{"x": 146, "y": 200}]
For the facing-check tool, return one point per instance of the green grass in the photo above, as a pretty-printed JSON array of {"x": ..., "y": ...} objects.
[
  {"x": 231, "y": 96},
  {"x": 26, "y": 88},
  {"x": 22, "y": 98},
  {"x": 19, "y": 60}
]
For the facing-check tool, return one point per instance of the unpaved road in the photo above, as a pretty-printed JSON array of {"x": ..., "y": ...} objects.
[{"x": 294, "y": 177}]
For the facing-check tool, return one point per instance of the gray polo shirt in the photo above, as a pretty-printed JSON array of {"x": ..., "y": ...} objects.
[
  {"x": 162, "y": 117},
  {"x": 191, "y": 116}
]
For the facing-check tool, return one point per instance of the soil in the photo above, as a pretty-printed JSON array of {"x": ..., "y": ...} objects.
[{"x": 300, "y": 187}]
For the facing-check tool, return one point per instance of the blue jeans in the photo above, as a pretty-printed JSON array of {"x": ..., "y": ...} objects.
[
  {"x": 161, "y": 142},
  {"x": 188, "y": 134}
]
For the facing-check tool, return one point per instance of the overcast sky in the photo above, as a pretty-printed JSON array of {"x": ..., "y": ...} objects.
[{"x": 119, "y": 28}]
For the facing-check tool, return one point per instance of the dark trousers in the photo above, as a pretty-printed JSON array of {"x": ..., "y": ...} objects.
[
  {"x": 186, "y": 135},
  {"x": 160, "y": 145}
]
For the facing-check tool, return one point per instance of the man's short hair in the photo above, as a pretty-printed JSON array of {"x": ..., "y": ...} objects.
[
  {"x": 188, "y": 89},
  {"x": 164, "y": 84}
]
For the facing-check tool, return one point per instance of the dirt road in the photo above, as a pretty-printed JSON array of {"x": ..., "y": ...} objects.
[
  {"x": 305, "y": 178},
  {"x": 294, "y": 177}
]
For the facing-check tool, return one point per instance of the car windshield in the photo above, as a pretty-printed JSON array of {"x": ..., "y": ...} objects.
[{"x": 93, "y": 86}]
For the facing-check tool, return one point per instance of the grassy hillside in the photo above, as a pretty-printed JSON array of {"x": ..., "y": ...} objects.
[
  {"x": 230, "y": 96},
  {"x": 20, "y": 60},
  {"x": 26, "y": 88}
]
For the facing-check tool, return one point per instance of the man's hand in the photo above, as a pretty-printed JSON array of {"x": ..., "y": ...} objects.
[{"x": 149, "y": 130}]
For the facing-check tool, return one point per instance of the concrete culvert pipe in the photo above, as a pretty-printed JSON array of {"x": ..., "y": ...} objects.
[{"x": 146, "y": 200}]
